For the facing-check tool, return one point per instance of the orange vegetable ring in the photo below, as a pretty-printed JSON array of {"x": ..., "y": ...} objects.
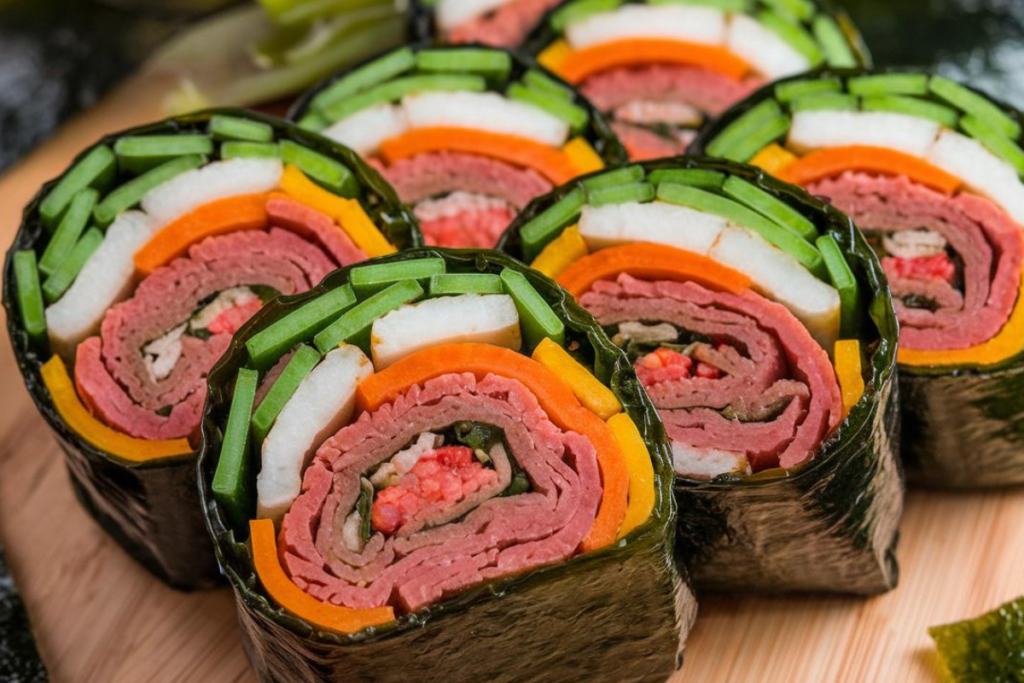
[
  {"x": 285, "y": 593},
  {"x": 82, "y": 422},
  {"x": 650, "y": 262},
  {"x": 554, "y": 396},
  {"x": 828, "y": 163},
  {"x": 577, "y": 65},
  {"x": 550, "y": 162},
  {"x": 241, "y": 212}
]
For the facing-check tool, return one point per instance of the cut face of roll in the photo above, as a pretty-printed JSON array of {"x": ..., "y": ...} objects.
[
  {"x": 658, "y": 70},
  {"x": 467, "y": 136},
  {"x": 480, "y": 450},
  {"x": 155, "y": 247},
  {"x": 758, "y": 322},
  {"x": 729, "y": 302},
  {"x": 930, "y": 171},
  {"x": 926, "y": 168}
]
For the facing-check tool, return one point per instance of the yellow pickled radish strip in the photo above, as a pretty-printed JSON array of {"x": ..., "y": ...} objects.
[
  {"x": 849, "y": 372},
  {"x": 1005, "y": 345},
  {"x": 81, "y": 421},
  {"x": 641, "y": 472},
  {"x": 285, "y": 593},
  {"x": 596, "y": 397},
  {"x": 582, "y": 156},
  {"x": 561, "y": 252},
  {"x": 773, "y": 158},
  {"x": 348, "y": 213},
  {"x": 555, "y": 55}
]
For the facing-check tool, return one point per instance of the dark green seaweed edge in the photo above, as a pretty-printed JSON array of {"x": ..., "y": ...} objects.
[
  {"x": 543, "y": 35},
  {"x": 714, "y": 128},
  {"x": 598, "y": 132},
  {"x": 233, "y": 552},
  {"x": 19, "y": 656},
  {"x": 380, "y": 201}
]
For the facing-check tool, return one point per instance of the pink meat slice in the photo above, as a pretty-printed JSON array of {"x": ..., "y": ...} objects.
[
  {"x": 439, "y": 173},
  {"x": 507, "y": 26},
  {"x": 110, "y": 370},
  {"x": 766, "y": 357},
  {"x": 312, "y": 224},
  {"x": 708, "y": 91},
  {"x": 989, "y": 243},
  {"x": 643, "y": 144},
  {"x": 441, "y": 553}
]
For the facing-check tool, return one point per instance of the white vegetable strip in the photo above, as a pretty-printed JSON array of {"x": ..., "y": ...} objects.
[
  {"x": 486, "y": 111},
  {"x": 817, "y": 129},
  {"x": 677, "y": 226},
  {"x": 105, "y": 279},
  {"x": 486, "y": 319},
  {"x": 981, "y": 170},
  {"x": 451, "y": 13},
  {"x": 365, "y": 130},
  {"x": 216, "y": 180},
  {"x": 323, "y": 403},
  {"x": 772, "y": 56},
  {"x": 665, "y": 22}
]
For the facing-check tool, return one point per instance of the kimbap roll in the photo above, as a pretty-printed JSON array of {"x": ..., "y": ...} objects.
[
  {"x": 659, "y": 69},
  {"x": 758, "y": 322},
  {"x": 437, "y": 463},
  {"x": 930, "y": 170},
  {"x": 131, "y": 272},
  {"x": 498, "y": 23},
  {"x": 466, "y": 135}
]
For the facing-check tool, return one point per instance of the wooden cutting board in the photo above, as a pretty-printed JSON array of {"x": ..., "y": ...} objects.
[{"x": 100, "y": 617}]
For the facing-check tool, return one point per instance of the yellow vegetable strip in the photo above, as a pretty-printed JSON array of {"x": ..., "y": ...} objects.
[
  {"x": 641, "y": 472},
  {"x": 596, "y": 397},
  {"x": 561, "y": 252},
  {"x": 849, "y": 372},
  {"x": 582, "y": 156}
]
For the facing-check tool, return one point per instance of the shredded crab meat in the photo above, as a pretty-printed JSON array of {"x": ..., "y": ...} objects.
[
  {"x": 646, "y": 112},
  {"x": 666, "y": 365},
  {"x": 162, "y": 354},
  {"x": 391, "y": 471},
  {"x": 910, "y": 244},
  {"x": 639, "y": 332},
  {"x": 457, "y": 203}
]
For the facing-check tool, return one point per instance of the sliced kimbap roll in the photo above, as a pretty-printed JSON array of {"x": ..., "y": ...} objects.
[
  {"x": 930, "y": 170},
  {"x": 437, "y": 463},
  {"x": 131, "y": 272},
  {"x": 660, "y": 69},
  {"x": 758, "y": 322},
  {"x": 498, "y": 23},
  {"x": 466, "y": 135}
]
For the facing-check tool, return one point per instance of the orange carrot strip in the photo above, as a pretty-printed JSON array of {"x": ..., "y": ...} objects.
[
  {"x": 285, "y": 593},
  {"x": 554, "y": 396},
  {"x": 579, "y": 64},
  {"x": 1005, "y": 345},
  {"x": 242, "y": 212},
  {"x": 650, "y": 262},
  {"x": 827, "y": 163},
  {"x": 81, "y": 421},
  {"x": 550, "y": 162}
]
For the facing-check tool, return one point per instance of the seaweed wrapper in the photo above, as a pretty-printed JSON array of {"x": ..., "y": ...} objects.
[
  {"x": 152, "y": 509},
  {"x": 988, "y": 649},
  {"x": 19, "y": 658},
  {"x": 619, "y": 614},
  {"x": 598, "y": 133},
  {"x": 947, "y": 412},
  {"x": 830, "y": 524}
]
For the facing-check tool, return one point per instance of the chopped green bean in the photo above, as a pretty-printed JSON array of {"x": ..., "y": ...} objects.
[
  {"x": 30, "y": 298},
  {"x": 231, "y": 485},
  {"x": 299, "y": 366},
  {"x": 270, "y": 343}
]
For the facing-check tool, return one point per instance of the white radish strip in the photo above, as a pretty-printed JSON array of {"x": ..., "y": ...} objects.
[
  {"x": 468, "y": 318},
  {"x": 816, "y": 129},
  {"x": 981, "y": 170},
  {"x": 779, "y": 276},
  {"x": 451, "y": 13},
  {"x": 105, "y": 279},
  {"x": 676, "y": 226},
  {"x": 667, "y": 22},
  {"x": 217, "y": 180},
  {"x": 707, "y": 463},
  {"x": 486, "y": 111},
  {"x": 365, "y": 130},
  {"x": 322, "y": 404},
  {"x": 772, "y": 56}
]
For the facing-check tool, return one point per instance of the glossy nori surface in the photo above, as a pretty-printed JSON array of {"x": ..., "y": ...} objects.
[
  {"x": 152, "y": 508},
  {"x": 597, "y": 131},
  {"x": 986, "y": 649},
  {"x": 616, "y": 615},
  {"x": 19, "y": 657},
  {"x": 963, "y": 427},
  {"x": 830, "y": 524}
]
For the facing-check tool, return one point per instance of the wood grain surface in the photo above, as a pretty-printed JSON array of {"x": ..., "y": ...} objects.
[{"x": 100, "y": 617}]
